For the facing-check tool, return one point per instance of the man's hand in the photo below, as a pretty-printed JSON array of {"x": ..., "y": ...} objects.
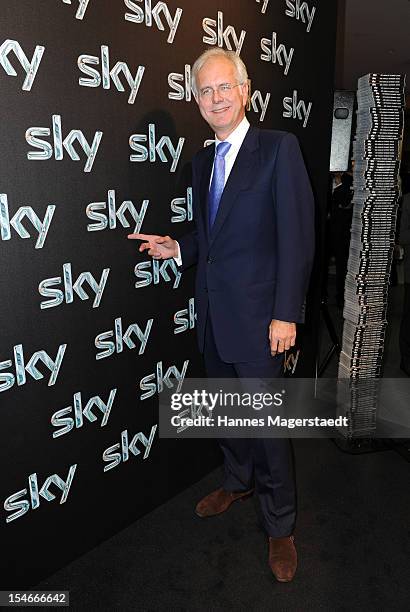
[
  {"x": 282, "y": 335},
  {"x": 159, "y": 247}
]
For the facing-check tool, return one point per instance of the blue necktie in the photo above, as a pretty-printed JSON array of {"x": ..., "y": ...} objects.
[{"x": 218, "y": 180}]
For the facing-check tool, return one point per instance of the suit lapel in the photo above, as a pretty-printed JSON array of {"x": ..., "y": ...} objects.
[{"x": 239, "y": 179}]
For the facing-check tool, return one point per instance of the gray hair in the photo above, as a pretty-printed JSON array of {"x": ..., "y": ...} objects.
[{"x": 240, "y": 67}]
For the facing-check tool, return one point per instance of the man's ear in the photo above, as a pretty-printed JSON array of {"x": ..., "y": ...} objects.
[{"x": 246, "y": 92}]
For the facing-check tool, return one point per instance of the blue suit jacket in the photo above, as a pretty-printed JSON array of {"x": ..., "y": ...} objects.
[{"x": 255, "y": 264}]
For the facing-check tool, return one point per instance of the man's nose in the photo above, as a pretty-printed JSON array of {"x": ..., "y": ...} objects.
[{"x": 216, "y": 96}]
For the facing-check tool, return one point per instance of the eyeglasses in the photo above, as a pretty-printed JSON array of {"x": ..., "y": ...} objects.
[{"x": 223, "y": 89}]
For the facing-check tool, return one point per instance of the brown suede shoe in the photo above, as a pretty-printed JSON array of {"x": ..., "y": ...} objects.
[
  {"x": 283, "y": 558},
  {"x": 218, "y": 501}
]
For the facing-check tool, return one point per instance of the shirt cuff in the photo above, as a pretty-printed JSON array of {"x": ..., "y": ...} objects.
[{"x": 178, "y": 259}]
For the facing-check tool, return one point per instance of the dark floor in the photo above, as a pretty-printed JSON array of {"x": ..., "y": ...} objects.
[{"x": 353, "y": 540}]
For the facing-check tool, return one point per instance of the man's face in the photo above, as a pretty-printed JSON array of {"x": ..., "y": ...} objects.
[{"x": 222, "y": 111}]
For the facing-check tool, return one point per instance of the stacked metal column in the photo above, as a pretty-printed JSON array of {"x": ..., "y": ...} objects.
[{"x": 376, "y": 154}]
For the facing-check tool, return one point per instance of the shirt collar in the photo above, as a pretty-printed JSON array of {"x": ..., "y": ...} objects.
[{"x": 237, "y": 136}]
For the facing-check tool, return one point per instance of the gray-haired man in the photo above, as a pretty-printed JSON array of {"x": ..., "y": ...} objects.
[{"x": 252, "y": 199}]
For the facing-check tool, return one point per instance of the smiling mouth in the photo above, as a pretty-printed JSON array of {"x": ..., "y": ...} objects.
[{"x": 220, "y": 110}]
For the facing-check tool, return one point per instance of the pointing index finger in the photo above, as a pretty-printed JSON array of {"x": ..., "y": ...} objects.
[{"x": 141, "y": 236}]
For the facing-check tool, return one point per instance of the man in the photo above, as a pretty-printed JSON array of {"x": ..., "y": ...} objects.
[{"x": 253, "y": 247}]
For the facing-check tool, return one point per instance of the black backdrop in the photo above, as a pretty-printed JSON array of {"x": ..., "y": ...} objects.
[{"x": 39, "y": 535}]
